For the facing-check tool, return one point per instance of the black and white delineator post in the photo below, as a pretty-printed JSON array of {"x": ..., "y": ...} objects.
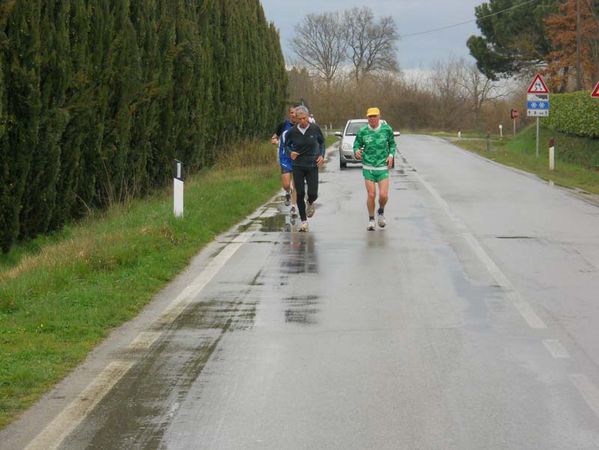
[
  {"x": 552, "y": 154},
  {"x": 178, "y": 189}
]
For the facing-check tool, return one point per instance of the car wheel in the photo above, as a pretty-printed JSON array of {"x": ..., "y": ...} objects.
[{"x": 342, "y": 165}]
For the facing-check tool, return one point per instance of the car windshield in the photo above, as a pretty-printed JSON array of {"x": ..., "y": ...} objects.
[{"x": 354, "y": 127}]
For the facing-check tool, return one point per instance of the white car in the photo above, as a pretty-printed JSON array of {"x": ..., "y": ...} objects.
[{"x": 348, "y": 136}]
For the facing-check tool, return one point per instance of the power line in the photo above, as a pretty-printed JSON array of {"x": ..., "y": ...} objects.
[{"x": 467, "y": 21}]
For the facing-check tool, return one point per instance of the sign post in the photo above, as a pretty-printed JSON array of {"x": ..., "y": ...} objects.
[
  {"x": 514, "y": 114},
  {"x": 178, "y": 186},
  {"x": 537, "y": 102}
]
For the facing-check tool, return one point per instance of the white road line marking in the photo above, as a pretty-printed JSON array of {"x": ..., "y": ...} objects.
[
  {"x": 144, "y": 340},
  {"x": 53, "y": 435},
  {"x": 588, "y": 390},
  {"x": 270, "y": 212},
  {"x": 185, "y": 297},
  {"x": 521, "y": 305},
  {"x": 556, "y": 348}
]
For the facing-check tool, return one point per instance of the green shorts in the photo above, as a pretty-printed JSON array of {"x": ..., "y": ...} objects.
[{"x": 375, "y": 175}]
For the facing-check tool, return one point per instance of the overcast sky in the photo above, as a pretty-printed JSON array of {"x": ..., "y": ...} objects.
[{"x": 410, "y": 16}]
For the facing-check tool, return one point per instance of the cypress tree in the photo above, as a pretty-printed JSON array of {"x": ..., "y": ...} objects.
[
  {"x": 122, "y": 79},
  {"x": 96, "y": 111},
  {"x": 40, "y": 193},
  {"x": 144, "y": 17},
  {"x": 21, "y": 78},
  {"x": 75, "y": 185},
  {"x": 161, "y": 88},
  {"x": 5, "y": 235}
]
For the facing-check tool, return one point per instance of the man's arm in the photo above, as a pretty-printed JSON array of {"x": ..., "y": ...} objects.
[
  {"x": 392, "y": 144},
  {"x": 289, "y": 144},
  {"x": 321, "y": 148},
  {"x": 274, "y": 139},
  {"x": 287, "y": 141},
  {"x": 320, "y": 138},
  {"x": 358, "y": 145}
]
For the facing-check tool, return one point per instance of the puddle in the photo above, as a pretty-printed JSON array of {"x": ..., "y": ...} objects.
[{"x": 274, "y": 223}]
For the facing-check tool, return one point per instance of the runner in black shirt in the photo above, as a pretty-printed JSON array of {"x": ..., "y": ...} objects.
[{"x": 304, "y": 143}]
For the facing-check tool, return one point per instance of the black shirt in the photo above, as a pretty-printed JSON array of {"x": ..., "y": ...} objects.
[{"x": 309, "y": 145}]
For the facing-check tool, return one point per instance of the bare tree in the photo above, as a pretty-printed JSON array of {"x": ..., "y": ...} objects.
[
  {"x": 448, "y": 98},
  {"x": 320, "y": 44},
  {"x": 477, "y": 88},
  {"x": 370, "y": 46}
]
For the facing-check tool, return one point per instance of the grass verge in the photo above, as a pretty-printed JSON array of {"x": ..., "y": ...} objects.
[
  {"x": 576, "y": 157},
  {"x": 61, "y": 295}
]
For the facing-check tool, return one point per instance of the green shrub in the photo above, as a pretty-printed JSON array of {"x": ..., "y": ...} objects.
[{"x": 575, "y": 113}]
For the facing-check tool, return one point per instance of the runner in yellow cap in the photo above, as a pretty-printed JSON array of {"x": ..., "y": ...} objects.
[{"x": 375, "y": 146}]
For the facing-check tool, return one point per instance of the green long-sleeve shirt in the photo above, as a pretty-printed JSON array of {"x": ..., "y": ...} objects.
[{"x": 376, "y": 145}]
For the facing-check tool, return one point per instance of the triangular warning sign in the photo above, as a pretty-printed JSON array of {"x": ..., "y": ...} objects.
[
  {"x": 538, "y": 86},
  {"x": 595, "y": 92}
]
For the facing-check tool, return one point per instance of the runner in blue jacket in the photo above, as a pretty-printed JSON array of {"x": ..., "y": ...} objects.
[{"x": 285, "y": 161}]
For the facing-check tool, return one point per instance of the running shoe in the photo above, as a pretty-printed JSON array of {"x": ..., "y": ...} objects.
[
  {"x": 381, "y": 220},
  {"x": 371, "y": 225},
  {"x": 293, "y": 212},
  {"x": 304, "y": 226},
  {"x": 310, "y": 209},
  {"x": 287, "y": 198}
]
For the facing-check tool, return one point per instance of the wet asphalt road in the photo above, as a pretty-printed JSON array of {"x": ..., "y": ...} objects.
[{"x": 469, "y": 322}]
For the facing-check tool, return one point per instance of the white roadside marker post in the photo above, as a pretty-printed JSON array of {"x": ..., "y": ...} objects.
[
  {"x": 552, "y": 154},
  {"x": 178, "y": 186}
]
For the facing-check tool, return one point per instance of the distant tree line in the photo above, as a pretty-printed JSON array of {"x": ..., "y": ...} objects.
[
  {"x": 452, "y": 95},
  {"x": 97, "y": 97}
]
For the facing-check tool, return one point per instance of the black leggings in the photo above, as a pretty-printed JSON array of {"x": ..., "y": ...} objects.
[{"x": 310, "y": 174}]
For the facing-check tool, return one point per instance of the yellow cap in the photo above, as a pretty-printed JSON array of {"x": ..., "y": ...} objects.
[{"x": 373, "y": 112}]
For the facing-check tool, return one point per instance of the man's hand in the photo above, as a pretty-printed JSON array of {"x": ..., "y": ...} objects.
[
  {"x": 319, "y": 161},
  {"x": 359, "y": 154},
  {"x": 390, "y": 161},
  {"x": 294, "y": 155}
]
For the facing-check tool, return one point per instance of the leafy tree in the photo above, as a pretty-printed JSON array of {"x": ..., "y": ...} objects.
[
  {"x": 514, "y": 36},
  {"x": 572, "y": 34}
]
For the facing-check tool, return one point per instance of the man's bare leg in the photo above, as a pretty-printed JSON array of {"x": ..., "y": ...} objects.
[
  {"x": 383, "y": 193},
  {"x": 383, "y": 197},
  {"x": 286, "y": 184},
  {"x": 371, "y": 193}
]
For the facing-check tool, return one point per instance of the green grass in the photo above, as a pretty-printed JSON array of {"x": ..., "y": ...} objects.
[
  {"x": 577, "y": 158},
  {"x": 61, "y": 295}
]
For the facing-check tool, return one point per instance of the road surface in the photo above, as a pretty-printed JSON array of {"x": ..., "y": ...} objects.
[{"x": 469, "y": 322}]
